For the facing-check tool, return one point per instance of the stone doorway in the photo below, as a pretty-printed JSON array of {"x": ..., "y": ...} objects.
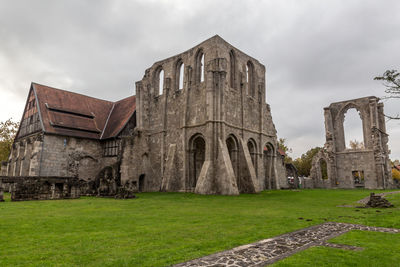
[
  {"x": 233, "y": 150},
  {"x": 358, "y": 178},
  {"x": 141, "y": 182},
  {"x": 198, "y": 156}
]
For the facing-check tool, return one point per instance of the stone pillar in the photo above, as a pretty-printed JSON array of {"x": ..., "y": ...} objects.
[
  {"x": 26, "y": 159},
  {"x": 34, "y": 164}
]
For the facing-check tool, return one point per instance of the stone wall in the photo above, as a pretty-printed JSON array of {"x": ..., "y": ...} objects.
[
  {"x": 41, "y": 188},
  {"x": 211, "y": 120},
  {"x": 60, "y": 156}
]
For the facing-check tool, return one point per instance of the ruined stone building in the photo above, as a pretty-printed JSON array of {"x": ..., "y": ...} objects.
[
  {"x": 341, "y": 167},
  {"x": 198, "y": 123}
]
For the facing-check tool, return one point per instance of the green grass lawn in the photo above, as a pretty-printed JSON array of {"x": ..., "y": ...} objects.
[{"x": 159, "y": 229}]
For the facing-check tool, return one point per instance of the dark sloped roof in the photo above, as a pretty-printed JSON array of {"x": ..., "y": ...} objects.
[
  {"x": 120, "y": 114},
  {"x": 72, "y": 114}
]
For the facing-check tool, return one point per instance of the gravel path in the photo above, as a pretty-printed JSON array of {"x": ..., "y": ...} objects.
[{"x": 270, "y": 250}]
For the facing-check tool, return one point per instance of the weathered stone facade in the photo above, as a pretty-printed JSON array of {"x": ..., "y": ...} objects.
[
  {"x": 198, "y": 123},
  {"x": 211, "y": 133},
  {"x": 367, "y": 167}
]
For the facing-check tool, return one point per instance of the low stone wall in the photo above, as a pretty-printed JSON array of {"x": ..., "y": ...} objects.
[
  {"x": 308, "y": 183},
  {"x": 40, "y": 188},
  {"x": 43, "y": 188}
]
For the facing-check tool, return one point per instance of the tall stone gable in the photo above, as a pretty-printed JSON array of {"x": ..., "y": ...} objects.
[{"x": 203, "y": 125}]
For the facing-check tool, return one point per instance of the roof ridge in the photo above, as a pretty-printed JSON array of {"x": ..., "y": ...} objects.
[
  {"x": 54, "y": 88},
  {"x": 105, "y": 125}
]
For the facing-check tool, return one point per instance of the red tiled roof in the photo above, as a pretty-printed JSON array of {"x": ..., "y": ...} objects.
[
  {"x": 280, "y": 151},
  {"x": 120, "y": 114},
  {"x": 72, "y": 114}
]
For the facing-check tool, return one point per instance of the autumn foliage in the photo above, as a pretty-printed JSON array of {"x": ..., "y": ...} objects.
[{"x": 8, "y": 129}]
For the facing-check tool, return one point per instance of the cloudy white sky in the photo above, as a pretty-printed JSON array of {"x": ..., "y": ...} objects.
[{"x": 315, "y": 52}]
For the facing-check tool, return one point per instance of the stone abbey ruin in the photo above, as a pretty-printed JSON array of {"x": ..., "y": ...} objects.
[
  {"x": 367, "y": 167},
  {"x": 198, "y": 123}
]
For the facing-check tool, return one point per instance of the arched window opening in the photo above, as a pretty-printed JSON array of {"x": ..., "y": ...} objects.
[
  {"x": 353, "y": 130},
  {"x": 232, "y": 69},
  {"x": 253, "y": 152},
  {"x": 202, "y": 68},
  {"x": 181, "y": 76},
  {"x": 197, "y": 158},
  {"x": 324, "y": 169},
  {"x": 158, "y": 81},
  {"x": 161, "y": 82},
  {"x": 250, "y": 78},
  {"x": 269, "y": 166},
  {"x": 247, "y": 73},
  {"x": 199, "y": 67}
]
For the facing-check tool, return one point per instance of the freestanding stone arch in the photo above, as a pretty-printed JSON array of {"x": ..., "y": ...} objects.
[{"x": 371, "y": 162}]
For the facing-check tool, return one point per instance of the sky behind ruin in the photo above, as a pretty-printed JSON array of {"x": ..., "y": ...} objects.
[{"x": 315, "y": 52}]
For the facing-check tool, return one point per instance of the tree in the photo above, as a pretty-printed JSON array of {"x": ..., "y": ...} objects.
[
  {"x": 356, "y": 144},
  {"x": 286, "y": 149},
  {"x": 391, "y": 80},
  {"x": 8, "y": 129},
  {"x": 396, "y": 174},
  {"x": 303, "y": 164}
]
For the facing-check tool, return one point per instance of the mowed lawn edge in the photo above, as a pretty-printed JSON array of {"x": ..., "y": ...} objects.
[{"x": 160, "y": 229}]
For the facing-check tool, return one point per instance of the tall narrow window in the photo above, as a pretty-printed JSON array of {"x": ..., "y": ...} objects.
[
  {"x": 233, "y": 69},
  {"x": 247, "y": 73},
  {"x": 250, "y": 78},
  {"x": 202, "y": 68},
  {"x": 179, "y": 74},
  {"x": 199, "y": 67},
  {"x": 160, "y": 82}
]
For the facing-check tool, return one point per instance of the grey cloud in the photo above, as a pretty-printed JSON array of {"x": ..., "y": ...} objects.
[{"x": 315, "y": 52}]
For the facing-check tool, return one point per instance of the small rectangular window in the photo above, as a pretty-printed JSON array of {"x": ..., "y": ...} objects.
[{"x": 111, "y": 148}]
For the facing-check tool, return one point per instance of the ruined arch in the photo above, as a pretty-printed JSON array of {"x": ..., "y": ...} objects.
[
  {"x": 250, "y": 78},
  {"x": 340, "y": 120},
  {"x": 269, "y": 166},
  {"x": 323, "y": 168},
  {"x": 179, "y": 74},
  {"x": 232, "y": 60},
  {"x": 197, "y": 156},
  {"x": 158, "y": 81},
  {"x": 252, "y": 146},
  {"x": 199, "y": 66}
]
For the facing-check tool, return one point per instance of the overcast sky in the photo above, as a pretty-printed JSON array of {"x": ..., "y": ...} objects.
[{"x": 315, "y": 52}]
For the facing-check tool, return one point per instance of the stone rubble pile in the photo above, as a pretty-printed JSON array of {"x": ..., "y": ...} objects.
[{"x": 376, "y": 201}]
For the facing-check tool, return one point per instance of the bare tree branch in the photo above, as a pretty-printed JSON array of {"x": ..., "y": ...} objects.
[{"x": 391, "y": 80}]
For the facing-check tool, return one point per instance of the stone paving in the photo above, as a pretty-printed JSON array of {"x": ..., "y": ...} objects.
[{"x": 271, "y": 250}]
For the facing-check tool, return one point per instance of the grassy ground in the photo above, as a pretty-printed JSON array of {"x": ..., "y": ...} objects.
[{"x": 159, "y": 229}]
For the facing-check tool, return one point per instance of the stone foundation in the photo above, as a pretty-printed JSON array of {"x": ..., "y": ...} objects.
[{"x": 41, "y": 188}]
